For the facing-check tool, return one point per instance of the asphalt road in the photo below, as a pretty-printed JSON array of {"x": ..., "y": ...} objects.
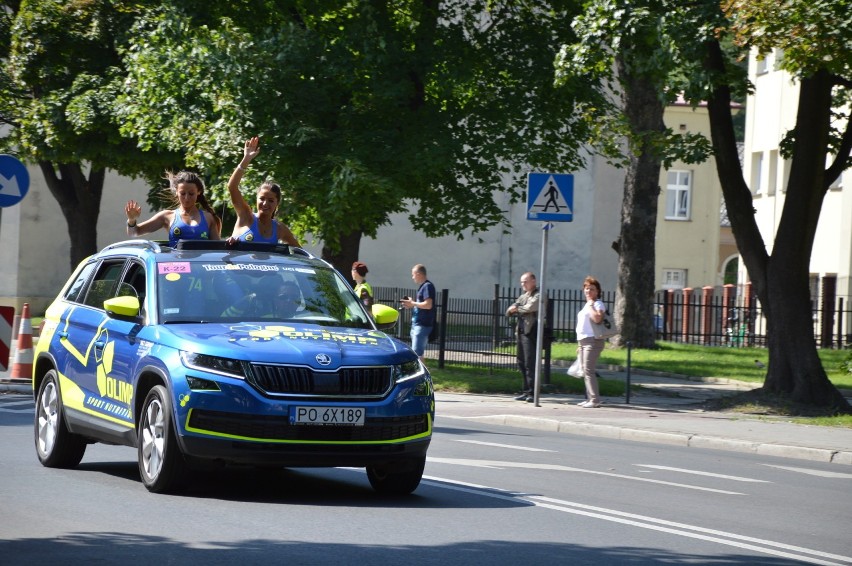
[{"x": 491, "y": 495}]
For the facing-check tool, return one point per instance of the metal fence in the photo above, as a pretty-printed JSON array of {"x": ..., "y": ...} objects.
[{"x": 477, "y": 332}]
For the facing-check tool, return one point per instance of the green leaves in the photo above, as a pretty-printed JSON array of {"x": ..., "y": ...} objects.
[
  {"x": 813, "y": 34},
  {"x": 363, "y": 109}
]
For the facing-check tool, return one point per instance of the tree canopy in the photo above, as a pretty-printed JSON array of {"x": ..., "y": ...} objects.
[
  {"x": 59, "y": 67},
  {"x": 695, "y": 49},
  {"x": 363, "y": 108},
  {"x": 630, "y": 54}
]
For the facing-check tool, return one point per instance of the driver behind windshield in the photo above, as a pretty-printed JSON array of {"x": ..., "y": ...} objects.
[{"x": 273, "y": 298}]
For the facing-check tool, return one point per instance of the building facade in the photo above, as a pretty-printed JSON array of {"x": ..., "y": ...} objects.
[
  {"x": 695, "y": 246},
  {"x": 772, "y": 110},
  {"x": 34, "y": 242},
  {"x": 692, "y": 249}
]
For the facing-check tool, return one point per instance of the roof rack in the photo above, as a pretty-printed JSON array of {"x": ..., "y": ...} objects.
[
  {"x": 223, "y": 245},
  {"x": 158, "y": 246},
  {"x": 146, "y": 244}
]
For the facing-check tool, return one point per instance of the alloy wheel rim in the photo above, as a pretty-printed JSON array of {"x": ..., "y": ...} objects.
[
  {"x": 47, "y": 421},
  {"x": 153, "y": 439}
]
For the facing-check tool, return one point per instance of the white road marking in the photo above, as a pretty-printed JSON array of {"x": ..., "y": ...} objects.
[
  {"x": 700, "y": 473},
  {"x": 680, "y": 529},
  {"x": 557, "y": 467},
  {"x": 512, "y": 446},
  {"x": 811, "y": 472}
]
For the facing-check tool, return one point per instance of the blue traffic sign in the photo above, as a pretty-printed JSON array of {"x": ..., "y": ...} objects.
[
  {"x": 14, "y": 181},
  {"x": 550, "y": 197}
]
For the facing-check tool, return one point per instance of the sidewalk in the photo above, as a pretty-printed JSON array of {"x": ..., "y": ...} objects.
[{"x": 667, "y": 410}]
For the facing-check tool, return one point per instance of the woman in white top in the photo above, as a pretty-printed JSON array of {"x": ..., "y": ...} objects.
[{"x": 590, "y": 347}]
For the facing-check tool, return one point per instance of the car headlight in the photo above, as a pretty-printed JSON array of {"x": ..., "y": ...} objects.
[
  {"x": 408, "y": 370},
  {"x": 214, "y": 364}
]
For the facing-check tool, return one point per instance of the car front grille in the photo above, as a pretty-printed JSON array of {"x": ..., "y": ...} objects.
[
  {"x": 354, "y": 382},
  {"x": 256, "y": 427}
]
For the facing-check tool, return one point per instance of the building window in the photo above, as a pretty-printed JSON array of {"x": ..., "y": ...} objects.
[
  {"x": 762, "y": 65},
  {"x": 772, "y": 177},
  {"x": 678, "y": 189},
  {"x": 674, "y": 278},
  {"x": 731, "y": 271},
  {"x": 778, "y": 55},
  {"x": 756, "y": 172}
]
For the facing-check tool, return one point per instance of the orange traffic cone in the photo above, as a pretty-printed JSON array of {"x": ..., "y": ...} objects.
[{"x": 22, "y": 369}]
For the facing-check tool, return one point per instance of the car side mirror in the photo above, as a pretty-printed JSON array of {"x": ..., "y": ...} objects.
[
  {"x": 123, "y": 306},
  {"x": 384, "y": 316}
]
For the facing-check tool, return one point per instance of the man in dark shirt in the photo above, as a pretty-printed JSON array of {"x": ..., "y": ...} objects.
[{"x": 423, "y": 305}]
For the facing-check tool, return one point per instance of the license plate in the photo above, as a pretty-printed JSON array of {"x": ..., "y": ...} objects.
[{"x": 351, "y": 416}]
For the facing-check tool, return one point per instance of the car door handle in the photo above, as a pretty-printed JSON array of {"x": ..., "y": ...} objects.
[
  {"x": 63, "y": 334},
  {"x": 99, "y": 345}
]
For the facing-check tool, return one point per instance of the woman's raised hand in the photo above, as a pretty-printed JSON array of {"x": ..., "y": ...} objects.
[
  {"x": 132, "y": 209},
  {"x": 251, "y": 148}
]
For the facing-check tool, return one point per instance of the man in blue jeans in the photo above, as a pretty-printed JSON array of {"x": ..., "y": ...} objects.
[{"x": 423, "y": 313}]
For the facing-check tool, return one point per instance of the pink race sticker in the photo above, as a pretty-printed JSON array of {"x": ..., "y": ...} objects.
[{"x": 173, "y": 267}]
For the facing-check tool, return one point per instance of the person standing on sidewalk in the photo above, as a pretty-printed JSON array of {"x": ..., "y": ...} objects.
[
  {"x": 526, "y": 309},
  {"x": 590, "y": 347},
  {"x": 423, "y": 313},
  {"x": 362, "y": 289}
]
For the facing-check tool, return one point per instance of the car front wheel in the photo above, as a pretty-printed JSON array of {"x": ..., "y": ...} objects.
[
  {"x": 55, "y": 445},
  {"x": 161, "y": 464},
  {"x": 400, "y": 478}
]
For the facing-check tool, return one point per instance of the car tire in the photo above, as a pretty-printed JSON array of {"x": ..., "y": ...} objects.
[
  {"x": 162, "y": 466},
  {"x": 55, "y": 445},
  {"x": 400, "y": 478}
]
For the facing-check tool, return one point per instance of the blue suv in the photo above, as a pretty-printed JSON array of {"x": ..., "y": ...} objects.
[{"x": 207, "y": 353}]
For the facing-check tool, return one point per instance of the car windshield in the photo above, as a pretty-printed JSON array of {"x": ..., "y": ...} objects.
[{"x": 255, "y": 290}]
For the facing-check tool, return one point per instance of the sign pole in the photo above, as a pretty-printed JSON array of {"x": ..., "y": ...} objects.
[
  {"x": 542, "y": 310},
  {"x": 550, "y": 198}
]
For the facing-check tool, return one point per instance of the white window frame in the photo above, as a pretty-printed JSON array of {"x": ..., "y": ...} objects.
[
  {"x": 772, "y": 177},
  {"x": 757, "y": 173},
  {"x": 678, "y": 194},
  {"x": 674, "y": 278}
]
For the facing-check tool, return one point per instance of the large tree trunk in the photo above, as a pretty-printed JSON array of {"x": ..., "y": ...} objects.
[
  {"x": 795, "y": 369},
  {"x": 348, "y": 246},
  {"x": 781, "y": 280},
  {"x": 634, "y": 303},
  {"x": 79, "y": 199}
]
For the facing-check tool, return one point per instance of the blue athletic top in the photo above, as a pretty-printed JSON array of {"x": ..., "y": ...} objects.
[
  {"x": 252, "y": 234},
  {"x": 180, "y": 230}
]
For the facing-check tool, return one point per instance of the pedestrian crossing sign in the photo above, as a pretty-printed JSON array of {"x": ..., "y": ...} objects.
[{"x": 550, "y": 197}]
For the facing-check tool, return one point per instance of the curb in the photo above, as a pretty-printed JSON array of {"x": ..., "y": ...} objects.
[
  {"x": 10, "y": 386},
  {"x": 683, "y": 439}
]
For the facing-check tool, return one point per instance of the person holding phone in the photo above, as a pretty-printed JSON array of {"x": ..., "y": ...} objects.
[
  {"x": 590, "y": 347},
  {"x": 423, "y": 311}
]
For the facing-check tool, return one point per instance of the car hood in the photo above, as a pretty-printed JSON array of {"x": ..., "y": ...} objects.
[{"x": 321, "y": 347}]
